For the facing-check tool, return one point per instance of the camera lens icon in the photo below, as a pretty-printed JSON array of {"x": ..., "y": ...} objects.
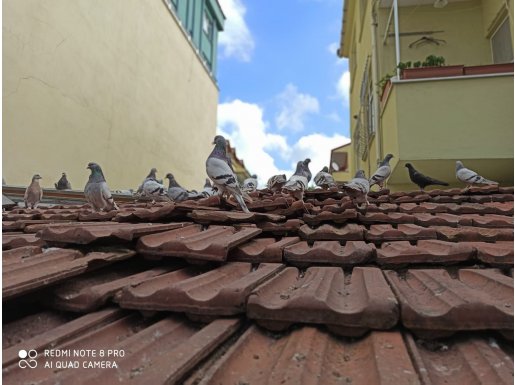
[{"x": 30, "y": 362}]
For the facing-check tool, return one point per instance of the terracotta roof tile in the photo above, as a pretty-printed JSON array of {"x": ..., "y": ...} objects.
[
  {"x": 424, "y": 252},
  {"x": 433, "y": 301},
  {"x": 86, "y": 233},
  {"x": 14, "y": 240},
  {"x": 330, "y": 252},
  {"x": 323, "y": 295},
  {"x": 496, "y": 254},
  {"x": 474, "y": 229},
  {"x": 262, "y": 250},
  {"x": 393, "y": 218},
  {"x": 471, "y": 360},
  {"x": 207, "y": 217},
  {"x": 408, "y": 232},
  {"x": 192, "y": 241},
  {"x": 348, "y": 232},
  {"x": 150, "y": 214},
  {"x": 312, "y": 356},
  {"x": 53, "y": 266},
  {"x": 327, "y": 216},
  {"x": 412, "y": 199},
  {"x": 473, "y": 234},
  {"x": 90, "y": 291},
  {"x": 291, "y": 226},
  {"x": 161, "y": 351},
  {"x": 222, "y": 291}
]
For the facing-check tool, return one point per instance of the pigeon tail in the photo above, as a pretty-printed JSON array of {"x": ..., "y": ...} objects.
[{"x": 240, "y": 200}]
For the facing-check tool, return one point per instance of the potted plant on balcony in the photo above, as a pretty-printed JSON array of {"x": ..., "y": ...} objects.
[{"x": 433, "y": 67}]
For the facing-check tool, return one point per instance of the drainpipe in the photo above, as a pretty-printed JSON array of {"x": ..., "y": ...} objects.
[
  {"x": 397, "y": 43},
  {"x": 375, "y": 80}
]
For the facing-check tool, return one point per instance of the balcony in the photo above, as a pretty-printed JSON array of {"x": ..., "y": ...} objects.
[{"x": 432, "y": 122}]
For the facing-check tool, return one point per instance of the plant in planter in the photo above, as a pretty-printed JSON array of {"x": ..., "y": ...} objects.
[{"x": 432, "y": 67}]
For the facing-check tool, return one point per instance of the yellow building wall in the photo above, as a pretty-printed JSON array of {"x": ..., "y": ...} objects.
[{"x": 114, "y": 82}]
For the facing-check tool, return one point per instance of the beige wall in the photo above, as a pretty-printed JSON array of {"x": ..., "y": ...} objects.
[{"x": 115, "y": 82}]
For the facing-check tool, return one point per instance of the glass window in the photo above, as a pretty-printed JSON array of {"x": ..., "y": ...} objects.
[
  {"x": 207, "y": 25},
  {"x": 339, "y": 161},
  {"x": 502, "y": 50}
]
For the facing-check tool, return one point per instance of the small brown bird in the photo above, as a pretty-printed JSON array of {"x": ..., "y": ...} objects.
[{"x": 33, "y": 193}]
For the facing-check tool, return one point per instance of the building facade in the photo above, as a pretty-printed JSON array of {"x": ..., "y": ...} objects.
[
  {"x": 463, "y": 111},
  {"x": 127, "y": 84}
]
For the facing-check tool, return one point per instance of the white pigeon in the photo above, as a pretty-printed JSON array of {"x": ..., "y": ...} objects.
[
  {"x": 276, "y": 182},
  {"x": 324, "y": 179},
  {"x": 250, "y": 184},
  {"x": 382, "y": 173},
  {"x": 358, "y": 187},
  {"x": 470, "y": 177},
  {"x": 298, "y": 182},
  {"x": 222, "y": 175},
  {"x": 96, "y": 191},
  {"x": 33, "y": 193}
]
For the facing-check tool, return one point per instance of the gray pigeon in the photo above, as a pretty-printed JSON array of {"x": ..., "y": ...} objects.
[
  {"x": 276, "y": 182},
  {"x": 96, "y": 191},
  {"x": 470, "y": 177},
  {"x": 382, "y": 173},
  {"x": 250, "y": 184},
  {"x": 298, "y": 182},
  {"x": 33, "y": 193},
  {"x": 208, "y": 190},
  {"x": 150, "y": 177},
  {"x": 324, "y": 179},
  {"x": 178, "y": 193},
  {"x": 358, "y": 187},
  {"x": 306, "y": 168},
  {"x": 63, "y": 184},
  {"x": 222, "y": 175}
]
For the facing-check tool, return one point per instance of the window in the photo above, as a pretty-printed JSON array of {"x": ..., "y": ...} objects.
[
  {"x": 502, "y": 50},
  {"x": 367, "y": 101},
  {"x": 208, "y": 25},
  {"x": 339, "y": 161}
]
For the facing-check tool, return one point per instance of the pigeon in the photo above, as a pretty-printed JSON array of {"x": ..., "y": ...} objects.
[
  {"x": 63, "y": 183},
  {"x": 96, "y": 191},
  {"x": 208, "y": 190},
  {"x": 298, "y": 182},
  {"x": 178, "y": 193},
  {"x": 358, "y": 187},
  {"x": 421, "y": 180},
  {"x": 382, "y": 173},
  {"x": 250, "y": 184},
  {"x": 151, "y": 176},
  {"x": 306, "y": 168},
  {"x": 324, "y": 179},
  {"x": 470, "y": 177},
  {"x": 33, "y": 193},
  {"x": 220, "y": 172},
  {"x": 276, "y": 182}
]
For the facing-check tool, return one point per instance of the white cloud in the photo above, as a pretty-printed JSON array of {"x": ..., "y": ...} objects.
[
  {"x": 235, "y": 40},
  {"x": 318, "y": 148},
  {"x": 244, "y": 125},
  {"x": 294, "y": 106},
  {"x": 343, "y": 87}
]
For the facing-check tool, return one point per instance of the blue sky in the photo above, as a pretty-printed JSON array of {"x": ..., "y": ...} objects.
[{"x": 283, "y": 91}]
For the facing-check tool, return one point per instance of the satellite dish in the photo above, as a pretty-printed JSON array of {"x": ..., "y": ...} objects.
[{"x": 335, "y": 166}]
